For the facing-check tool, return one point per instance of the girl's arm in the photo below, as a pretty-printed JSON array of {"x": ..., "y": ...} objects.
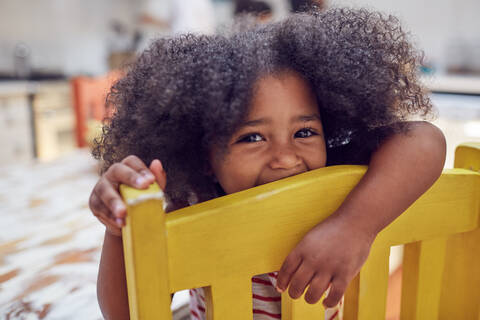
[
  {"x": 107, "y": 205},
  {"x": 111, "y": 283},
  {"x": 400, "y": 171}
]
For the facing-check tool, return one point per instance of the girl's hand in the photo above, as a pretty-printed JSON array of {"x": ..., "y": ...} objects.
[
  {"x": 332, "y": 253},
  {"x": 105, "y": 200},
  {"x": 402, "y": 168}
]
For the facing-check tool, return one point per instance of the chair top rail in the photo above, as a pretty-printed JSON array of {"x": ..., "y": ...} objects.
[{"x": 273, "y": 217}]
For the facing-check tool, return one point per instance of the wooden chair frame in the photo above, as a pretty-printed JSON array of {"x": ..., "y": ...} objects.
[
  {"x": 89, "y": 97},
  {"x": 214, "y": 244}
]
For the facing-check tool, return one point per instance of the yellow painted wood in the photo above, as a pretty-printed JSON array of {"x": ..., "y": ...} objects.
[
  {"x": 350, "y": 308},
  {"x": 222, "y": 243},
  {"x": 460, "y": 296},
  {"x": 275, "y": 215},
  {"x": 146, "y": 259},
  {"x": 432, "y": 262},
  {"x": 296, "y": 207},
  {"x": 230, "y": 298},
  {"x": 410, "y": 267},
  {"x": 287, "y": 305},
  {"x": 423, "y": 271},
  {"x": 299, "y": 309},
  {"x": 373, "y": 284},
  {"x": 456, "y": 190},
  {"x": 467, "y": 156}
]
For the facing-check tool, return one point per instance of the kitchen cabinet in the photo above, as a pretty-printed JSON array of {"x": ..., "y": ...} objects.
[
  {"x": 16, "y": 135},
  {"x": 54, "y": 120},
  {"x": 36, "y": 120}
]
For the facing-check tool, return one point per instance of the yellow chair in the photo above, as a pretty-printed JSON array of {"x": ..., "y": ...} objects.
[{"x": 210, "y": 245}]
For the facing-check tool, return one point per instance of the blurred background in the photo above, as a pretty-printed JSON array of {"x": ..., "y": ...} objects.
[{"x": 57, "y": 60}]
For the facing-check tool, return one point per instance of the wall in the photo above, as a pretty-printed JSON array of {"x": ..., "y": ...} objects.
[
  {"x": 73, "y": 35},
  {"x": 443, "y": 28},
  {"x": 68, "y": 35}
]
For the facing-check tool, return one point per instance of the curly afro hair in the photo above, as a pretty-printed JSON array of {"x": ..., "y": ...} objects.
[{"x": 188, "y": 93}]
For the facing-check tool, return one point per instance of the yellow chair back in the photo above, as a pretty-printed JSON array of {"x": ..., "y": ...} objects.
[{"x": 214, "y": 244}]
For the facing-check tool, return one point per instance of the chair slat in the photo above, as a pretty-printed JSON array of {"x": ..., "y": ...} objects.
[
  {"x": 423, "y": 271},
  {"x": 410, "y": 273},
  {"x": 350, "y": 308},
  {"x": 373, "y": 283},
  {"x": 146, "y": 259},
  {"x": 299, "y": 309},
  {"x": 229, "y": 299},
  {"x": 460, "y": 296}
]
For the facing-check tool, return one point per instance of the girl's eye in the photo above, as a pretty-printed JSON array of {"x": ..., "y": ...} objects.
[
  {"x": 305, "y": 133},
  {"x": 254, "y": 137}
]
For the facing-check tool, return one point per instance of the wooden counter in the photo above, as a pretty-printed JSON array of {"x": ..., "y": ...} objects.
[{"x": 459, "y": 84}]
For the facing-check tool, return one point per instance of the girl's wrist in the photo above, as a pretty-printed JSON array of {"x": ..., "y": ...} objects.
[
  {"x": 353, "y": 224},
  {"x": 116, "y": 232}
]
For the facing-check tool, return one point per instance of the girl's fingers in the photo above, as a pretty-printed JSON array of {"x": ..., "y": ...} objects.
[
  {"x": 300, "y": 280},
  {"x": 97, "y": 207},
  {"x": 318, "y": 285},
  {"x": 132, "y": 172},
  {"x": 337, "y": 289},
  {"x": 102, "y": 213},
  {"x": 121, "y": 173},
  {"x": 111, "y": 227},
  {"x": 136, "y": 164},
  {"x": 160, "y": 175},
  {"x": 105, "y": 200},
  {"x": 289, "y": 266},
  {"x": 110, "y": 198}
]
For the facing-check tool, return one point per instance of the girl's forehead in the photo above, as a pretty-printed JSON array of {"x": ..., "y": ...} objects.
[{"x": 284, "y": 88}]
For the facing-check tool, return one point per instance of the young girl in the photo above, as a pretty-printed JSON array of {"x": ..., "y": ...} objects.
[{"x": 206, "y": 116}]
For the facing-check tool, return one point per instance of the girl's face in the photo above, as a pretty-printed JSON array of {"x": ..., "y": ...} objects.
[{"x": 282, "y": 136}]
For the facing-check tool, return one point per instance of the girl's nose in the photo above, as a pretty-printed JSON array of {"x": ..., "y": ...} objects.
[{"x": 284, "y": 156}]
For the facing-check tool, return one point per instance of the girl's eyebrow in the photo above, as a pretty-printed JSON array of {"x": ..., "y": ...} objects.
[
  {"x": 306, "y": 118},
  {"x": 302, "y": 118},
  {"x": 256, "y": 122}
]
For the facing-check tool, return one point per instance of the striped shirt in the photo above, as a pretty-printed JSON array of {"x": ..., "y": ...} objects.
[{"x": 266, "y": 300}]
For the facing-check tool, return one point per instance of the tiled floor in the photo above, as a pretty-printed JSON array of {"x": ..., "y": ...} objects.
[{"x": 50, "y": 242}]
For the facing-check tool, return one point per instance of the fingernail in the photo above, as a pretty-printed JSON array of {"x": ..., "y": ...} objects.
[
  {"x": 147, "y": 175},
  {"x": 278, "y": 289},
  {"x": 119, "y": 222},
  {"x": 160, "y": 164},
  {"x": 118, "y": 209},
  {"x": 140, "y": 181}
]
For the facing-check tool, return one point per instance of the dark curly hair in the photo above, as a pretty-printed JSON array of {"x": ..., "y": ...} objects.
[{"x": 188, "y": 93}]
